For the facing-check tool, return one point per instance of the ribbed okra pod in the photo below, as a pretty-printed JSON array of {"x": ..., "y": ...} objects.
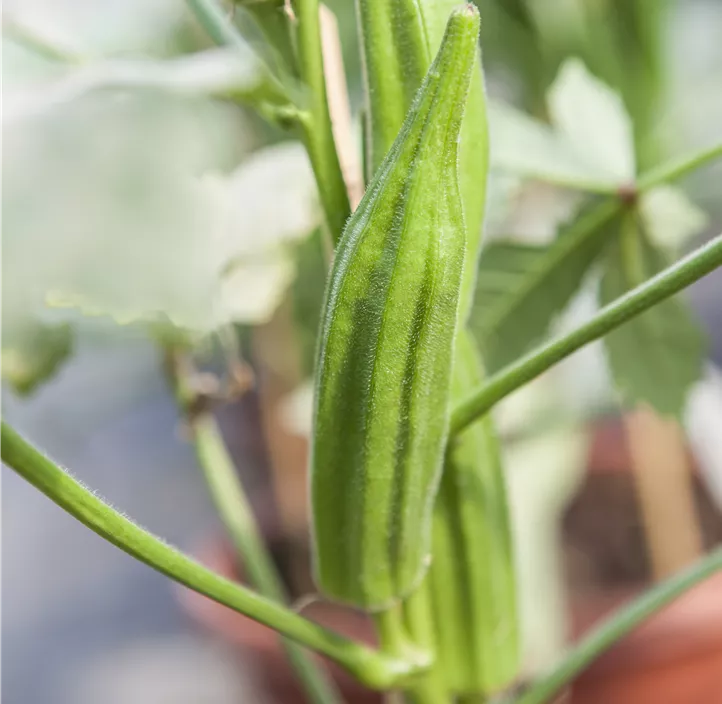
[
  {"x": 399, "y": 38},
  {"x": 472, "y": 578},
  {"x": 386, "y": 349}
]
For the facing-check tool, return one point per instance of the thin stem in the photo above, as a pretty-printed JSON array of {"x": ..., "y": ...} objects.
[
  {"x": 619, "y": 625},
  {"x": 678, "y": 169},
  {"x": 216, "y": 23},
  {"x": 39, "y": 45},
  {"x": 665, "y": 284},
  {"x": 235, "y": 511},
  {"x": 317, "y": 130},
  {"x": 376, "y": 670}
]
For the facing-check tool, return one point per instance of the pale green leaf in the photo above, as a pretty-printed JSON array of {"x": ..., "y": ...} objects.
[
  {"x": 33, "y": 355},
  {"x": 593, "y": 120},
  {"x": 522, "y": 288},
  {"x": 670, "y": 218},
  {"x": 109, "y": 207},
  {"x": 656, "y": 357},
  {"x": 526, "y": 147},
  {"x": 214, "y": 73}
]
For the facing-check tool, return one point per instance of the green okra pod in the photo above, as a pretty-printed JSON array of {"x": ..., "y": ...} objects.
[
  {"x": 472, "y": 579},
  {"x": 399, "y": 39},
  {"x": 386, "y": 349}
]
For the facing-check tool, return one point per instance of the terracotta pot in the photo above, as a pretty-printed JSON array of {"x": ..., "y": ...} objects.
[
  {"x": 673, "y": 658},
  {"x": 676, "y": 656},
  {"x": 260, "y": 646}
]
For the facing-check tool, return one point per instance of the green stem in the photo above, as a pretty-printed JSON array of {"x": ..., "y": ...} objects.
[
  {"x": 617, "y": 626},
  {"x": 419, "y": 618},
  {"x": 391, "y": 630},
  {"x": 376, "y": 670},
  {"x": 396, "y": 642},
  {"x": 318, "y": 135},
  {"x": 665, "y": 284},
  {"x": 216, "y": 23},
  {"x": 678, "y": 169},
  {"x": 316, "y": 122},
  {"x": 235, "y": 511}
]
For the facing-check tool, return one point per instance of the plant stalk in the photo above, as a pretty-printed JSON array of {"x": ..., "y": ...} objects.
[
  {"x": 234, "y": 509},
  {"x": 316, "y": 125},
  {"x": 665, "y": 284},
  {"x": 374, "y": 669},
  {"x": 618, "y": 626},
  {"x": 678, "y": 169},
  {"x": 397, "y": 641}
]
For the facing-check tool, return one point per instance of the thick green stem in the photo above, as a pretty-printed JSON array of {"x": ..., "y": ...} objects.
[
  {"x": 376, "y": 670},
  {"x": 315, "y": 122},
  {"x": 419, "y": 618},
  {"x": 666, "y": 284},
  {"x": 398, "y": 641},
  {"x": 618, "y": 626},
  {"x": 316, "y": 125}
]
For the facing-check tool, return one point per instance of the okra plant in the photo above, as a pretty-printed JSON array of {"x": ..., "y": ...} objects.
[{"x": 410, "y": 521}]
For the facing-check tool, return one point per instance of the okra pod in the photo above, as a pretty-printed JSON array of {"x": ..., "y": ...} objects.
[{"x": 386, "y": 349}]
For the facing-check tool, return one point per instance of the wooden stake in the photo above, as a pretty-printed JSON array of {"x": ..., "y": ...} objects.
[
  {"x": 339, "y": 107},
  {"x": 663, "y": 478}
]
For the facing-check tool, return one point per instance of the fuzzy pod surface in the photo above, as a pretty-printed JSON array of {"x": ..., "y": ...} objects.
[
  {"x": 399, "y": 39},
  {"x": 472, "y": 578},
  {"x": 386, "y": 349}
]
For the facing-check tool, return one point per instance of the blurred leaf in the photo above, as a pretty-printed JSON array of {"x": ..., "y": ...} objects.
[
  {"x": 522, "y": 288},
  {"x": 100, "y": 26},
  {"x": 524, "y": 146},
  {"x": 670, "y": 218},
  {"x": 588, "y": 146},
  {"x": 35, "y": 355},
  {"x": 537, "y": 211},
  {"x": 222, "y": 73},
  {"x": 592, "y": 118},
  {"x": 656, "y": 357},
  {"x": 105, "y": 210},
  {"x": 518, "y": 10},
  {"x": 502, "y": 191}
]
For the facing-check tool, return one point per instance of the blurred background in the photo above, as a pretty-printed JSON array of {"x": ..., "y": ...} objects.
[{"x": 140, "y": 203}]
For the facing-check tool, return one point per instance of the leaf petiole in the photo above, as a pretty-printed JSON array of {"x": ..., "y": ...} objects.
[{"x": 670, "y": 281}]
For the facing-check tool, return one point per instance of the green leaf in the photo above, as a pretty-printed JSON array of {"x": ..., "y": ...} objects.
[
  {"x": 35, "y": 355},
  {"x": 593, "y": 120},
  {"x": 141, "y": 226},
  {"x": 656, "y": 357},
  {"x": 527, "y": 147},
  {"x": 521, "y": 288},
  {"x": 670, "y": 218},
  {"x": 588, "y": 146}
]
